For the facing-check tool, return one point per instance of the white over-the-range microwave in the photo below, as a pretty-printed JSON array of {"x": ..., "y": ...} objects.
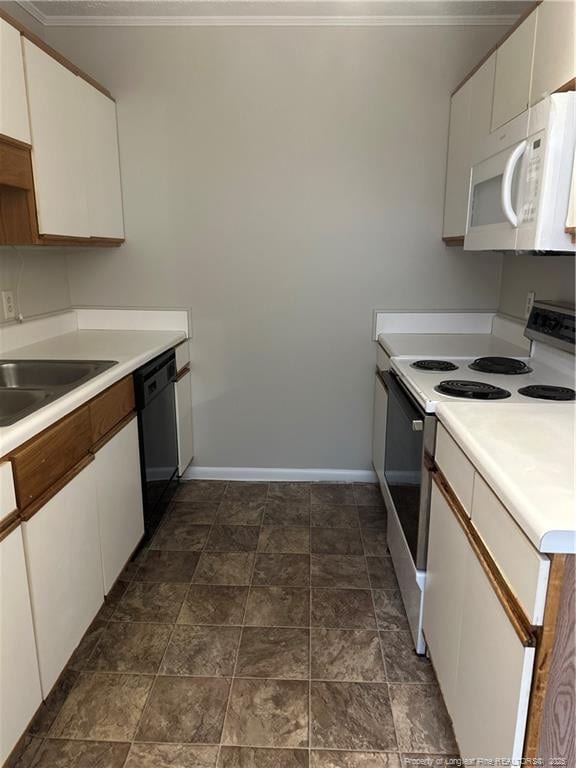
[{"x": 520, "y": 189}]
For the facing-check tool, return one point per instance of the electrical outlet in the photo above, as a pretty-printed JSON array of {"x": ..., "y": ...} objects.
[
  {"x": 529, "y": 303},
  {"x": 8, "y": 305}
]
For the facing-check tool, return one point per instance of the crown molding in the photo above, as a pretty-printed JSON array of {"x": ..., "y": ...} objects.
[{"x": 365, "y": 20}]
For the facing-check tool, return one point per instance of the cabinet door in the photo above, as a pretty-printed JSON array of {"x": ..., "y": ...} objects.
[
  {"x": 58, "y": 144},
  {"x": 184, "y": 421},
  {"x": 494, "y": 675},
  {"x": 444, "y": 594},
  {"x": 20, "y": 694},
  {"x": 481, "y": 95},
  {"x": 119, "y": 494},
  {"x": 62, "y": 548},
  {"x": 513, "y": 72},
  {"x": 13, "y": 106},
  {"x": 379, "y": 427},
  {"x": 554, "y": 59},
  {"x": 102, "y": 164},
  {"x": 458, "y": 164}
]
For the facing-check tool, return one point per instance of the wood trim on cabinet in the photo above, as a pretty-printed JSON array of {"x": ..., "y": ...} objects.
[
  {"x": 183, "y": 372},
  {"x": 454, "y": 240},
  {"x": 29, "y": 35},
  {"x": 40, "y": 462},
  {"x": 572, "y": 232},
  {"x": 18, "y": 222},
  {"x": 14, "y": 142},
  {"x": 520, "y": 20},
  {"x": 546, "y": 639},
  {"x": 508, "y": 600},
  {"x": 9, "y": 524},
  {"x": 57, "y": 486},
  {"x": 113, "y": 432},
  {"x": 111, "y": 407},
  {"x": 567, "y": 87}
]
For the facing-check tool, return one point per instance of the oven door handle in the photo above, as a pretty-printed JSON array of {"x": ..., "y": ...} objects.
[{"x": 403, "y": 399}]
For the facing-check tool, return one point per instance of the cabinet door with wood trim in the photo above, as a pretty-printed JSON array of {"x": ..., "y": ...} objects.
[
  {"x": 119, "y": 494},
  {"x": 494, "y": 675},
  {"x": 513, "y": 73},
  {"x": 61, "y": 542},
  {"x": 13, "y": 106},
  {"x": 445, "y": 594},
  {"x": 20, "y": 693},
  {"x": 554, "y": 55},
  {"x": 58, "y": 144}
]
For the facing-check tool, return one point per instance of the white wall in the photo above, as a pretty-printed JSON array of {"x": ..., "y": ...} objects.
[
  {"x": 550, "y": 277},
  {"x": 282, "y": 182},
  {"x": 42, "y": 276}
]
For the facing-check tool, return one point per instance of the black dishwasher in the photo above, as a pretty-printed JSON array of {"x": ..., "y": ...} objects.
[{"x": 157, "y": 430}]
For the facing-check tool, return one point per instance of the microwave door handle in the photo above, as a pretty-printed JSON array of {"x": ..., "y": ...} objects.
[{"x": 507, "y": 178}]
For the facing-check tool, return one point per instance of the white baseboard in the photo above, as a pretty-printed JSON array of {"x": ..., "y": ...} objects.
[{"x": 273, "y": 474}]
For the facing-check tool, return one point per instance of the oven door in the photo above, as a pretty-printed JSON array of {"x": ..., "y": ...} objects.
[
  {"x": 494, "y": 201},
  {"x": 409, "y": 433}
]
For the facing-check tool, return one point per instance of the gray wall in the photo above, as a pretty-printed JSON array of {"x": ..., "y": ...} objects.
[
  {"x": 43, "y": 277},
  {"x": 550, "y": 277},
  {"x": 282, "y": 182}
]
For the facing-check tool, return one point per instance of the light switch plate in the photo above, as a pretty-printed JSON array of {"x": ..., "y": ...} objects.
[{"x": 8, "y": 305}]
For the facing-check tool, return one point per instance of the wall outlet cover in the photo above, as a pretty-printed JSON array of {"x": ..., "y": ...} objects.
[
  {"x": 529, "y": 303},
  {"x": 8, "y": 305}
]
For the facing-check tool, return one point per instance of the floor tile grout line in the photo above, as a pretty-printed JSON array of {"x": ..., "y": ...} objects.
[
  {"x": 237, "y": 656},
  {"x": 174, "y": 625}
]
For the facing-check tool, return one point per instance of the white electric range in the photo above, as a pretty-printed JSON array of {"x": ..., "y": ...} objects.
[{"x": 407, "y": 395}]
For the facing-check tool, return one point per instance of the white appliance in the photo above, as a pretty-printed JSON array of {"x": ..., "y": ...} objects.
[
  {"x": 519, "y": 197},
  {"x": 405, "y": 431}
]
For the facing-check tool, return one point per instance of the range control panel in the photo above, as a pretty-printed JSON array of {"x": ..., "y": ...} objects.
[{"x": 554, "y": 324}]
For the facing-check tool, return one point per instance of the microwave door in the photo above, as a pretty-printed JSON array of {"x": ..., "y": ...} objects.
[{"x": 493, "y": 201}]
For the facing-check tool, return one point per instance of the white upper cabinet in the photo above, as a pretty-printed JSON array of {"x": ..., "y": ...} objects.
[
  {"x": 74, "y": 151},
  {"x": 458, "y": 164},
  {"x": 56, "y": 122},
  {"x": 102, "y": 163},
  {"x": 470, "y": 118},
  {"x": 481, "y": 95},
  {"x": 13, "y": 106},
  {"x": 554, "y": 54},
  {"x": 513, "y": 73}
]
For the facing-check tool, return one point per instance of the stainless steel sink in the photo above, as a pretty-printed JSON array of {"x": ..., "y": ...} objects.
[
  {"x": 15, "y": 404},
  {"x": 27, "y": 385}
]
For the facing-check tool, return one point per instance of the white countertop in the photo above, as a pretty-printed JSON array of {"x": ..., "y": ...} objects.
[
  {"x": 448, "y": 345},
  {"x": 130, "y": 349},
  {"x": 526, "y": 455}
]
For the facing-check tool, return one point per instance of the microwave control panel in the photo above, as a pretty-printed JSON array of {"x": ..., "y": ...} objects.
[{"x": 534, "y": 154}]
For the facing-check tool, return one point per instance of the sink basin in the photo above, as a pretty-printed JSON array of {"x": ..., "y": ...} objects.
[
  {"x": 27, "y": 385},
  {"x": 49, "y": 373},
  {"x": 17, "y": 403}
]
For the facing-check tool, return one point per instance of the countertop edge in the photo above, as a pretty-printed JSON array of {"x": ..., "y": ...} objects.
[
  {"x": 551, "y": 541},
  {"x": 18, "y": 433}
]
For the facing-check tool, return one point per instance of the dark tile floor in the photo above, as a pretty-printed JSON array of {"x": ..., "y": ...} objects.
[{"x": 261, "y": 629}]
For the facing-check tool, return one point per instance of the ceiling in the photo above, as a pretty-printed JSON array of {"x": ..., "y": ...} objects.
[{"x": 274, "y": 12}]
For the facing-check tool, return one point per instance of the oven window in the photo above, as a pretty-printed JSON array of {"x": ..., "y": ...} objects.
[{"x": 403, "y": 463}]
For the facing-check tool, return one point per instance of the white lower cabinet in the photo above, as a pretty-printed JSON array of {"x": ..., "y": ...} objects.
[
  {"x": 184, "y": 421},
  {"x": 445, "y": 593},
  {"x": 119, "y": 498},
  {"x": 494, "y": 675},
  {"x": 20, "y": 693},
  {"x": 379, "y": 434},
  {"x": 61, "y": 542},
  {"x": 483, "y": 669}
]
